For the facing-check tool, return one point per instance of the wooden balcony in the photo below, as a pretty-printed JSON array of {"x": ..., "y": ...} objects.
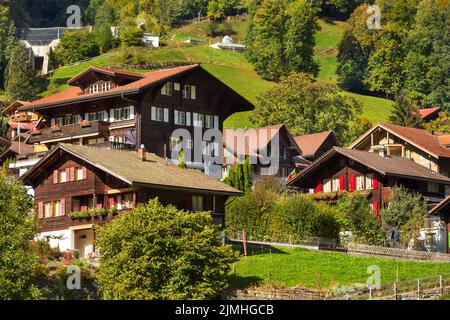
[
  {"x": 115, "y": 145},
  {"x": 69, "y": 132}
]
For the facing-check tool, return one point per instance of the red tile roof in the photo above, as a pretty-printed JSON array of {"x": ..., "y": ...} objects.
[
  {"x": 420, "y": 137},
  {"x": 268, "y": 132},
  {"x": 310, "y": 143},
  {"x": 75, "y": 94},
  {"x": 427, "y": 112}
]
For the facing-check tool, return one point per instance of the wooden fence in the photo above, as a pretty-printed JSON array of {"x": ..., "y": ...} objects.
[
  {"x": 424, "y": 289},
  {"x": 397, "y": 253}
]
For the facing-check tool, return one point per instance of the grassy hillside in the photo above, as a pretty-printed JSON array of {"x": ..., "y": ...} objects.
[
  {"x": 232, "y": 68},
  {"x": 298, "y": 267}
]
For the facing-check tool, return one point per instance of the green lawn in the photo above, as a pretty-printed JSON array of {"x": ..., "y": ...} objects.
[{"x": 299, "y": 267}]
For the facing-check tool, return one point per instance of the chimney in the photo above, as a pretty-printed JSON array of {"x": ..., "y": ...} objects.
[
  {"x": 382, "y": 151},
  {"x": 142, "y": 153}
]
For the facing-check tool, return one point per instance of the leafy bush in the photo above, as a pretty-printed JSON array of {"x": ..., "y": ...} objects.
[
  {"x": 18, "y": 261},
  {"x": 91, "y": 213},
  {"x": 357, "y": 217},
  {"x": 159, "y": 252},
  {"x": 76, "y": 45},
  {"x": 401, "y": 207},
  {"x": 270, "y": 213}
]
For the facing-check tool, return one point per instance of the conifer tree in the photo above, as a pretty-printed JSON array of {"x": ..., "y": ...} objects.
[
  {"x": 20, "y": 81},
  {"x": 405, "y": 113}
]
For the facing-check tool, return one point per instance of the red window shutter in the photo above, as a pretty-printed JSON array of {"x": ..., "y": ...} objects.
[
  {"x": 72, "y": 174},
  {"x": 319, "y": 186},
  {"x": 63, "y": 207},
  {"x": 352, "y": 183},
  {"x": 41, "y": 210},
  {"x": 55, "y": 176},
  {"x": 375, "y": 209},
  {"x": 84, "y": 172},
  {"x": 375, "y": 181},
  {"x": 342, "y": 183}
]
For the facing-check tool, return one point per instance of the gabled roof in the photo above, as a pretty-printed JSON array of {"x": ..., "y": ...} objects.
[
  {"x": 14, "y": 106},
  {"x": 386, "y": 166},
  {"x": 443, "y": 206},
  {"x": 107, "y": 71},
  {"x": 13, "y": 148},
  {"x": 311, "y": 143},
  {"x": 126, "y": 166},
  {"x": 147, "y": 80},
  {"x": 424, "y": 113},
  {"x": 268, "y": 132},
  {"x": 419, "y": 138}
]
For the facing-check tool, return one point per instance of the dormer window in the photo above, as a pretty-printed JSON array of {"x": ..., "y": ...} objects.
[
  {"x": 94, "y": 88},
  {"x": 106, "y": 86},
  {"x": 167, "y": 89}
]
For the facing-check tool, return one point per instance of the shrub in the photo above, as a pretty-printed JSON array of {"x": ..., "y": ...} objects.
[
  {"x": 160, "y": 252},
  {"x": 357, "y": 217},
  {"x": 270, "y": 213},
  {"x": 18, "y": 261},
  {"x": 401, "y": 206},
  {"x": 76, "y": 45}
]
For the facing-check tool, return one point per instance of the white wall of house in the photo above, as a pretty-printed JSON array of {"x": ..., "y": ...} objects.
[{"x": 65, "y": 243}]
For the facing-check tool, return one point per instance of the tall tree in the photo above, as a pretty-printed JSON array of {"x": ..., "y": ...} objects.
[
  {"x": 355, "y": 49},
  {"x": 104, "y": 19},
  {"x": 385, "y": 69},
  {"x": 428, "y": 60},
  {"x": 20, "y": 80},
  {"x": 306, "y": 106},
  {"x": 405, "y": 113},
  {"x": 280, "y": 38},
  {"x": 18, "y": 262},
  {"x": 5, "y": 29}
]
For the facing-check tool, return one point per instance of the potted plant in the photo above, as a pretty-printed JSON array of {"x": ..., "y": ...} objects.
[{"x": 85, "y": 123}]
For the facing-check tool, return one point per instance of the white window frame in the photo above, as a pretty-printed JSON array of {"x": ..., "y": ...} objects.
[
  {"x": 186, "y": 91},
  {"x": 174, "y": 142},
  {"x": 106, "y": 86},
  {"x": 167, "y": 89},
  {"x": 199, "y": 120},
  {"x": 336, "y": 184},
  {"x": 360, "y": 182},
  {"x": 94, "y": 88},
  {"x": 92, "y": 116},
  {"x": 197, "y": 203},
  {"x": 209, "y": 121},
  {"x": 369, "y": 181},
  {"x": 327, "y": 185},
  {"x": 180, "y": 117}
]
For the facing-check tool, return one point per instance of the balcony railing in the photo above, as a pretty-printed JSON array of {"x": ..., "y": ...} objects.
[
  {"x": 115, "y": 145},
  {"x": 68, "y": 131}
]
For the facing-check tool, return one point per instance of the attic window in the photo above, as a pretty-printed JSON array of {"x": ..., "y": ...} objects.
[
  {"x": 106, "y": 86},
  {"x": 94, "y": 88}
]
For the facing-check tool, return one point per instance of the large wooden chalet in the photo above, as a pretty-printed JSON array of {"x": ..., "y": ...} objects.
[
  {"x": 125, "y": 110},
  {"x": 423, "y": 147},
  {"x": 73, "y": 179},
  {"x": 345, "y": 170}
]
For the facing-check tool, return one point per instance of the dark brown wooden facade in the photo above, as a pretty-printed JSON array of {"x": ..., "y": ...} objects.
[
  {"x": 96, "y": 121},
  {"x": 98, "y": 189},
  {"x": 340, "y": 173}
]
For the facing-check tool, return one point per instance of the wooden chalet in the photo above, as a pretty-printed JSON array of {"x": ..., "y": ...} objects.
[
  {"x": 288, "y": 154},
  {"x": 423, "y": 147},
  {"x": 72, "y": 180},
  {"x": 314, "y": 145},
  {"x": 125, "y": 110},
  {"x": 442, "y": 210},
  {"x": 344, "y": 170}
]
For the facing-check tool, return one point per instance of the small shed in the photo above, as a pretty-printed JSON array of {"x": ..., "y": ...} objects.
[{"x": 442, "y": 210}]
